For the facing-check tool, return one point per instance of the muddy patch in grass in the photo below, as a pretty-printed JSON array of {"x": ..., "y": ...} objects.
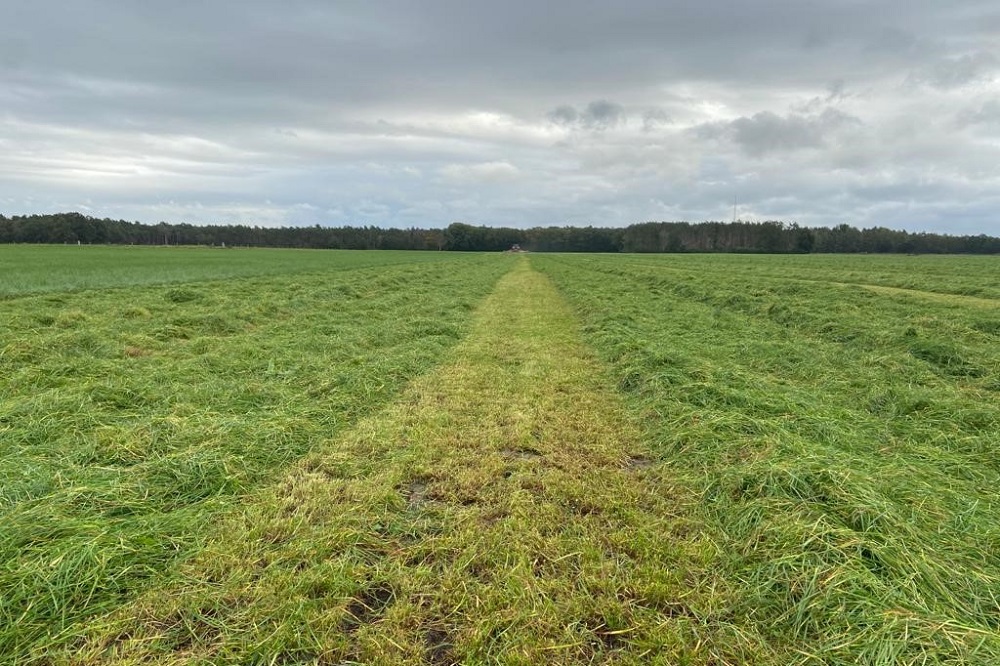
[
  {"x": 637, "y": 463},
  {"x": 603, "y": 637},
  {"x": 415, "y": 493},
  {"x": 439, "y": 649},
  {"x": 585, "y": 507},
  {"x": 367, "y": 606},
  {"x": 522, "y": 453}
]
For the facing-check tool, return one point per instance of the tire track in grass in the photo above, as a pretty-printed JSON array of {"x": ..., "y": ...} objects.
[{"x": 502, "y": 511}]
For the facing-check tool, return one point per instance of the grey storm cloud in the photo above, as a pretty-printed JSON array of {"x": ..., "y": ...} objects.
[
  {"x": 403, "y": 113},
  {"x": 600, "y": 114},
  {"x": 767, "y": 132}
]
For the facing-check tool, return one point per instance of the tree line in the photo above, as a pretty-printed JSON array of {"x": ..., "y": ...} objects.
[{"x": 762, "y": 237}]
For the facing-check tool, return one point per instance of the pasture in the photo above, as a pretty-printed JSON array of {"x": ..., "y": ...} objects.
[{"x": 299, "y": 457}]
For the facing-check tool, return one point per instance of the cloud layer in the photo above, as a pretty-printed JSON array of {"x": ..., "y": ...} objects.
[{"x": 420, "y": 114}]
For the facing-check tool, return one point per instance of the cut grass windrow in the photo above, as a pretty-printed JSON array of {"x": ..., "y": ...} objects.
[
  {"x": 843, "y": 444},
  {"x": 931, "y": 274},
  {"x": 353, "y": 458},
  {"x": 502, "y": 511}
]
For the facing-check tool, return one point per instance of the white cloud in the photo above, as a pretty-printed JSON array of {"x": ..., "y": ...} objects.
[{"x": 484, "y": 172}]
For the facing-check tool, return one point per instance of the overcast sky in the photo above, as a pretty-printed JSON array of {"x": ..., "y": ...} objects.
[{"x": 550, "y": 112}]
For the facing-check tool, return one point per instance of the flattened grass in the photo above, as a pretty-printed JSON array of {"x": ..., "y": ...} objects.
[
  {"x": 130, "y": 418},
  {"x": 755, "y": 464},
  {"x": 843, "y": 444},
  {"x": 975, "y": 276},
  {"x": 502, "y": 511}
]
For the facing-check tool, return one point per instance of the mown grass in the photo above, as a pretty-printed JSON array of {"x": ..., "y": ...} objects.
[
  {"x": 130, "y": 418},
  {"x": 501, "y": 511},
  {"x": 973, "y": 276},
  {"x": 623, "y": 459},
  {"x": 842, "y": 443},
  {"x": 32, "y": 269}
]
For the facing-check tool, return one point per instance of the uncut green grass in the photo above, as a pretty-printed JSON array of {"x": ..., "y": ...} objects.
[
  {"x": 131, "y": 417},
  {"x": 32, "y": 269},
  {"x": 843, "y": 443}
]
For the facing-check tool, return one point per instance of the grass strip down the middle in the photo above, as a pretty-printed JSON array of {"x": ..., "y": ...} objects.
[{"x": 500, "y": 508}]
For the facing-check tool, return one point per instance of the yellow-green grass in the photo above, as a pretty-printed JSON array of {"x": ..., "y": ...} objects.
[
  {"x": 130, "y": 417},
  {"x": 501, "y": 511},
  {"x": 951, "y": 299},
  {"x": 608, "y": 459}
]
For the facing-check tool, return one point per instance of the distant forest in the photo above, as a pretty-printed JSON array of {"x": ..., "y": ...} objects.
[{"x": 760, "y": 237}]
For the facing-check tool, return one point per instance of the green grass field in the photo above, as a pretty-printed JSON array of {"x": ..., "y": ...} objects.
[
  {"x": 32, "y": 269},
  {"x": 307, "y": 457}
]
